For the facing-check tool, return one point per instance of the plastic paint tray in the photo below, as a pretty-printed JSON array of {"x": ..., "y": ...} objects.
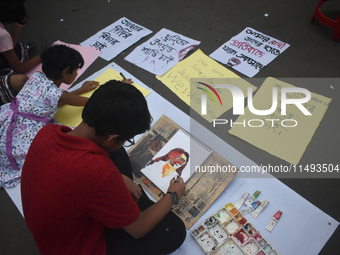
[{"x": 228, "y": 232}]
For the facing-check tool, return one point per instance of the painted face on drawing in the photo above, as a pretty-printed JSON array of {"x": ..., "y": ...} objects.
[{"x": 177, "y": 158}]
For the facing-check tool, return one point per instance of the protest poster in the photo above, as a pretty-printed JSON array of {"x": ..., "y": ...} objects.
[
  {"x": 249, "y": 51},
  {"x": 116, "y": 38},
  {"x": 161, "y": 52}
]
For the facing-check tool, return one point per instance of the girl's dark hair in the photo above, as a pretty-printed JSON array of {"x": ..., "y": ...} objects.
[
  {"x": 57, "y": 58},
  {"x": 12, "y": 11},
  {"x": 117, "y": 108}
]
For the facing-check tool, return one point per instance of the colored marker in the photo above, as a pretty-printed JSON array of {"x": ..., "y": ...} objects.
[{"x": 121, "y": 74}]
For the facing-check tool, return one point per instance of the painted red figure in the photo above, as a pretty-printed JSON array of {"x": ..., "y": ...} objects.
[{"x": 175, "y": 157}]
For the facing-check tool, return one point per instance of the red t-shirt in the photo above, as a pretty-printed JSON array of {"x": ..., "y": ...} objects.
[{"x": 71, "y": 191}]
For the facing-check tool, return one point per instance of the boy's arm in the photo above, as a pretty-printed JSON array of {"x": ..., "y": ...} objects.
[
  {"x": 152, "y": 216},
  {"x": 133, "y": 187}
]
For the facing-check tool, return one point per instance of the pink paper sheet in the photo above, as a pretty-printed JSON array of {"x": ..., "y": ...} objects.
[{"x": 89, "y": 54}]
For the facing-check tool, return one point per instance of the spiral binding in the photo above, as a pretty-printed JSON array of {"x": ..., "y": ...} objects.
[{"x": 196, "y": 140}]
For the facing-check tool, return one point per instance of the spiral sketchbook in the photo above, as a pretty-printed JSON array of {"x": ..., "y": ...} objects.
[
  {"x": 166, "y": 151},
  {"x": 179, "y": 157}
]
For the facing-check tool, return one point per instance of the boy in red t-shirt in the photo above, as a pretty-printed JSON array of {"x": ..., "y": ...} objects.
[{"x": 76, "y": 201}]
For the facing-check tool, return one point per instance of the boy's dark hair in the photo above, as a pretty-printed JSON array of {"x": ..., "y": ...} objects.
[
  {"x": 12, "y": 11},
  {"x": 117, "y": 108},
  {"x": 59, "y": 57}
]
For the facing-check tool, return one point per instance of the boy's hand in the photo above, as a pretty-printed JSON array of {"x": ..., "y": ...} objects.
[
  {"x": 128, "y": 81},
  {"x": 134, "y": 189},
  {"x": 178, "y": 186}
]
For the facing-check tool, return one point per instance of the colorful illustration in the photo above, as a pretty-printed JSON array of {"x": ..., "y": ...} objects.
[
  {"x": 176, "y": 160},
  {"x": 172, "y": 160},
  {"x": 231, "y": 234}
]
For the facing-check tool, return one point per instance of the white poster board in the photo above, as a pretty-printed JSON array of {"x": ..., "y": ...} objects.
[
  {"x": 308, "y": 221},
  {"x": 161, "y": 52},
  {"x": 249, "y": 51},
  {"x": 116, "y": 38}
]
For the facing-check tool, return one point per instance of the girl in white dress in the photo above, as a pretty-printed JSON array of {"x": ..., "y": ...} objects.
[{"x": 35, "y": 106}]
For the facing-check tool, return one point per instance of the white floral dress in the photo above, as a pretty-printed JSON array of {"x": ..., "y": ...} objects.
[{"x": 39, "y": 98}]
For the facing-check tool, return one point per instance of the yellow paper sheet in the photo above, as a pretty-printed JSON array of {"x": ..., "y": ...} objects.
[
  {"x": 287, "y": 143},
  {"x": 71, "y": 115},
  {"x": 201, "y": 66}
]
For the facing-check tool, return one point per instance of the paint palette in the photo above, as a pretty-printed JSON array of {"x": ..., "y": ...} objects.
[{"x": 228, "y": 232}]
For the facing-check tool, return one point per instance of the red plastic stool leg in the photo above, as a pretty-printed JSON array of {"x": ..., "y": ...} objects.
[{"x": 323, "y": 19}]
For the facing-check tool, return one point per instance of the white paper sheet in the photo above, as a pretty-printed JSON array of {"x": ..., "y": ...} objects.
[
  {"x": 116, "y": 38},
  {"x": 161, "y": 52},
  {"x": 249, "y": 51},
  {"x": 311, "y": 226}
]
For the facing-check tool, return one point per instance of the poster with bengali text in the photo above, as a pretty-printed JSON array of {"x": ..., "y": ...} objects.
[
  {"x": 116, "y": 38},
  {"x": 161, "y": 52},
  {"x": 249, "y": 51}
]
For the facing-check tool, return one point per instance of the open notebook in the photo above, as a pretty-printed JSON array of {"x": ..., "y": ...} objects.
[
  {"x": 179, "y": 157},
  {"x": 166, "y": 151}
]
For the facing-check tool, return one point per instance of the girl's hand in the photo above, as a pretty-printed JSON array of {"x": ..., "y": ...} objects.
[
  {"x": 128, "y": 81},
  {"x": 89, "y": 85}
]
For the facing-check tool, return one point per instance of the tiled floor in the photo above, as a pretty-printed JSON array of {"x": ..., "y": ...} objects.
[{"x": 312, "y": 54}]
